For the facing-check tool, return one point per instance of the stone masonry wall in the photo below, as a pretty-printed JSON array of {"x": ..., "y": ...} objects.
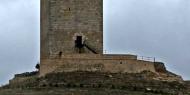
[
  {"x": 63, "y": 20},
  {"x": 95, "y": 63}
]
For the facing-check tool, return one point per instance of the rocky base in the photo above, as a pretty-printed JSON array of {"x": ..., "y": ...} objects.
[{"x": 91, "y": 83}]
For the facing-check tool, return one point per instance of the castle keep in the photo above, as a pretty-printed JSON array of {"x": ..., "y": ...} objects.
[
  {"x": 72, "y": 40},
  {"x": 71, "y": 27}
]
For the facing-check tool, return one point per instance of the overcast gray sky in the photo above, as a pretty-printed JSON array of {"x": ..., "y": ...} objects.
[{"x": 153, "y": 28}]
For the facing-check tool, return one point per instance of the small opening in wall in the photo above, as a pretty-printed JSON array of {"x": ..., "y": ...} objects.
[
  {"x": 121, "y": 63},
  {"x": 78, "y": 42},
  {"x": 60, "y": 53}
]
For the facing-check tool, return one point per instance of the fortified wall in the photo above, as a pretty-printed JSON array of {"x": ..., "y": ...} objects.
[{"x": 98, "y": 63}]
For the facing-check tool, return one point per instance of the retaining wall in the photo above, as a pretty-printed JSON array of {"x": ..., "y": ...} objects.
[{"x": 95, "y": 63}]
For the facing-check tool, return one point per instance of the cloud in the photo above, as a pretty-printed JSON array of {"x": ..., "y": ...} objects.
[{"x": 19, "y": 33}]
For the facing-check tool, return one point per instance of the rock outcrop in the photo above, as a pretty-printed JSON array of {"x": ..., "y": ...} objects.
[{"x": 144, "y": 83}]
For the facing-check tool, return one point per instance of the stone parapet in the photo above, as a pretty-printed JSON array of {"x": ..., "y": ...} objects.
[{"x": 95, "y": 63}]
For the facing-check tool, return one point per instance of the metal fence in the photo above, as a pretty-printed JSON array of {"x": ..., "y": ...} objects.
[{"x": 145, "y": 58}]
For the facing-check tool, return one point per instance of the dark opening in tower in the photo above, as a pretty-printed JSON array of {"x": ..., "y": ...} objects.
[{"x": 78, "y": 43}]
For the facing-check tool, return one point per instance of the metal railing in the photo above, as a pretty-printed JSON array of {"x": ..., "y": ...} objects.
[{"x": 145, "y": 58}]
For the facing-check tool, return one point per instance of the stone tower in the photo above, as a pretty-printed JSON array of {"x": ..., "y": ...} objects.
[
  {"x": 72, "y": 40},
  {"x": 71, "y": 27}
]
